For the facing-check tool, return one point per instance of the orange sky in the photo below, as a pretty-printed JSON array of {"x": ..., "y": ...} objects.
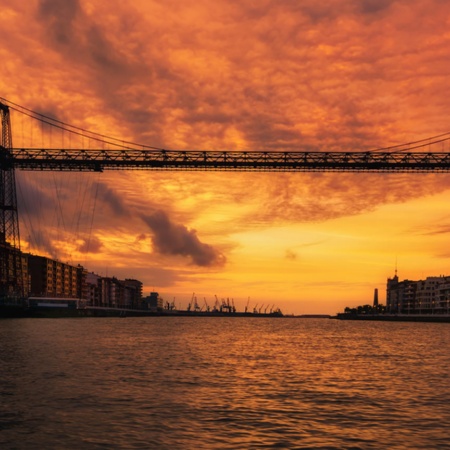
[{"x": 268, "y": 75}]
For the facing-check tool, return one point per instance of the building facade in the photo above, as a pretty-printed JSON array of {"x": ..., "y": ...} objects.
[
  {"x": 153, "y": 302},
  {"x": 52, "y": 278},
  {"x": 46, "y": 277},
  {"x": 14, "y": 281},
  {"x": 93, "y": 289},
  {"x": 429, "y": 296},
  {"x": 110, "y": 292}
]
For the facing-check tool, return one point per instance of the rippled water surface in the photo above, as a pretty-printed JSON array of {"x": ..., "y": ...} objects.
[{"x": 223, "y": 383}]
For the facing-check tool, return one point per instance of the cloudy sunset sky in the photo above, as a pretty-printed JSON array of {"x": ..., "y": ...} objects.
[{"x": 303, "y": 75}]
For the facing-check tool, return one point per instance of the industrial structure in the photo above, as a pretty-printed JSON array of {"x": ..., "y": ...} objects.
[
  {"x": 11, "y": 264},
  {"x": 236, "y": 161}
]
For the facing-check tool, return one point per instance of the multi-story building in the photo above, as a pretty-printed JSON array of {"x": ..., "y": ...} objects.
[
  {"x": 429, "y": 296},
  {"x": 52, "y": 278},
  {"x": 113, "y": 293},
  {"x": 82, "y": 287},
  {"x": 400, "y": 295},
  {"x": 443, "y": 298},
  {"x": 14, "y": 281},
  {"x": 154, "y": 302},
  {"x": 93, "y": 289},
  {"x": 110, "y": 292},
  {"x": 133, "y": 293},
  {"x": 47, "y": 277},
  {"x": 426, "y": 295}
]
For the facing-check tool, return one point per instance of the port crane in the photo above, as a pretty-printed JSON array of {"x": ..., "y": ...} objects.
[{"x": 412, "y": 157}]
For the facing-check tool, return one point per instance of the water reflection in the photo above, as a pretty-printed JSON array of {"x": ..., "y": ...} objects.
[{"x": 209, "y": 383}]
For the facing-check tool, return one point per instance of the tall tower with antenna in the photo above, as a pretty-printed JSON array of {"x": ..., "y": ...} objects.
[{"x": 11, "y": 273}]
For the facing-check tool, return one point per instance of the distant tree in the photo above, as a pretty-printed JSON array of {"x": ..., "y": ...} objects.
[{"x": 366, "y": 309}]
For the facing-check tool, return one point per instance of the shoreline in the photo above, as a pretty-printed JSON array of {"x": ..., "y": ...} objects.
[
  {"x": 435, "y": 318},
  {"x": 12, "y": 311}
]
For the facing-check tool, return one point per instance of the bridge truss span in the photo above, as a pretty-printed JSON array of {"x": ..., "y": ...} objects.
[
  {"x": 116, "y": 154},
  {"x": 246, "y": 161}
]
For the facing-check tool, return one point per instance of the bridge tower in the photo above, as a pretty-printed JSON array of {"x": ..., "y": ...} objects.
[{"x": 11, "y": 268}]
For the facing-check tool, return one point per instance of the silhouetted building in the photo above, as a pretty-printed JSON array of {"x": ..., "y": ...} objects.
[
  {"x": 153, "y": 302},
  {"x": 429, "y": 296},
  {"x": 82, "y": 287},
  {"x": 14, "y": 280},
  {"x": 114, "y": 293},
  {"x": 133, "y": 292},
  {"x": 443, "y": 298},
  {"x": 93, "y": 289},
  {"x": 46, "y": 277},
  {"x": 111, "y": 292},
  {"x": 51, "y": 278}
]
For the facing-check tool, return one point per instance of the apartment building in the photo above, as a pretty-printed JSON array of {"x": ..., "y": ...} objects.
[
  {"x": 52, "y": 278},
  {"x": 111, "y": 292},
  {"x": 47, "y": 277},
  {"x": 14, "y": 279},
  {"x": 429, "y": 296}
]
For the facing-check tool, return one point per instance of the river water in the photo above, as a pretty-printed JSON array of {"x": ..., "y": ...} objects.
[{"x": 223, "y": 383}]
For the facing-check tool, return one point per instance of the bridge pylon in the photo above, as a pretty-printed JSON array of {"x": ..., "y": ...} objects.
[{"x": 11, "y": 264}]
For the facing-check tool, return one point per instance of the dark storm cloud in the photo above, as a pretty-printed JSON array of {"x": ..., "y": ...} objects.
[
  {"x": 333, "y": 73},
  {"x": 168, "y": 238},
  {"x": 59, "y": 17},
  {"x": 175, "y": 239},
  {"x": 33, "y": 200},
  {"x": 374, "y": 6},
  {"x": 110, "y": 197},
  {"x": 68, "y": 27},
  {"x": 91, "y": 245},
  {"x": 112, "y": 63},
  {"x": 41, "y": 242},
  {"x": 320, "y": 197},
  {"x": 258, "y": 75}
]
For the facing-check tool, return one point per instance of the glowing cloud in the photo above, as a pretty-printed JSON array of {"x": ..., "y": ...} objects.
[
  {"x": 269, "y": 75},
  {"x": 175, "y": 239}
]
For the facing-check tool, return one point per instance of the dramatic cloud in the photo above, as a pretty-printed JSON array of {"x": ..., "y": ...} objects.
[
  {"x": 91, "y": 245},
  {"x": 41, "y": 242},
  {"x": 293, "y": 76},
  {"x": 175, "y": 239},
  {"x": 112, "y": 199},
  {"x": 334, "y": 75},
  {"x": 319, "y": 197},
  {"x": 168, "y": 238}
]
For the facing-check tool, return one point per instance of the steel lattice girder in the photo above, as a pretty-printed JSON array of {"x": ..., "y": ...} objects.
[
  {"x": 131, "y": 159},
  {"x": 11, "y": 271}
]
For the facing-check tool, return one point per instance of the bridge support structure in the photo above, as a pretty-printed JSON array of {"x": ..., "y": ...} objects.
[
  {"x": 11, "y": 263},
  {"x": 413, "y": 157}
]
